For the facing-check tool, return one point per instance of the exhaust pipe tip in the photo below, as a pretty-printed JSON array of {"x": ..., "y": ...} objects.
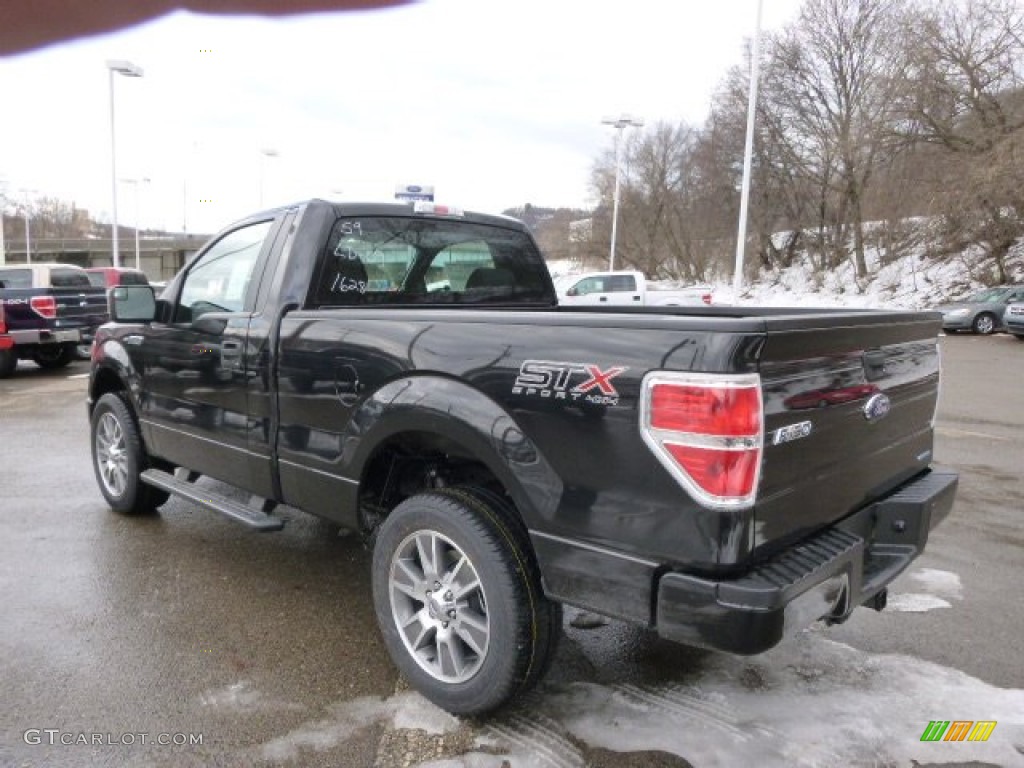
[{"x": 879, "y": 600}]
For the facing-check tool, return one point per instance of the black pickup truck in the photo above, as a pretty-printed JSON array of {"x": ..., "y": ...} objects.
[
  {"x": 722, "y": 475},
  {"x": 49, "y": 311}
]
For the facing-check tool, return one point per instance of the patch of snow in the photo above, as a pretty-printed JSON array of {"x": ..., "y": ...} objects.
[
  {"x": 241, "y": 697},
  {"x": 810, "y": 702},
  {"x": 813, "y": 702},
  {"x": 939, "y": 582},
  {"x": 405, "y": 710},
  {"x": 909, "y": 602}
]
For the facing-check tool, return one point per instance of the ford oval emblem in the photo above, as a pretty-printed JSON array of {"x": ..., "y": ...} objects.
[
  {"x": 413, "y": 188},
  {"x": 877, "y": 407}
]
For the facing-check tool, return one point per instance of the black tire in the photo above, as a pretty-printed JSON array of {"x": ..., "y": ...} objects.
[
  {"x": 475, "y": 595},
  {"x": 8, "y": 362},
  {"x": 118, "y": 458},
  {"x": 984, "y": 324},
  {"x": 549, "y": 630},
  {"x": 51, "y": 356},
  {"x": 1018, "y": 336}
]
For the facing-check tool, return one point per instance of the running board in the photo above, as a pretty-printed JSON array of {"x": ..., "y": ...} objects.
[{"x": 183, "y": 484}]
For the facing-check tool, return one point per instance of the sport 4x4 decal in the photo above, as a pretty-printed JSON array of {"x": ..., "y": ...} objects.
[{"x": 568, "y": 381}]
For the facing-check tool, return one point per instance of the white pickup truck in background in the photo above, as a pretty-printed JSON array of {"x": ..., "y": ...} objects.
[{"x": 625, "y": 289}]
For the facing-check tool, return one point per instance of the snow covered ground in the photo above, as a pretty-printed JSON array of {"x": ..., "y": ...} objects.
[{"x": 809, "y": 703}]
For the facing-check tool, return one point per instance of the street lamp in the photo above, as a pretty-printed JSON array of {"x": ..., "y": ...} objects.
[
  {"x": 127, "y": 69},
  {"x": 28, "y": 235},
  {"x": 136, "y": 183},
  {"x": 3, "y": 250},
  {"x": 26, "y": 213},
  {"x": 265, "y": 152},
  {"x": 748, "y": 153},
  {"x": 619, "y": 123}
]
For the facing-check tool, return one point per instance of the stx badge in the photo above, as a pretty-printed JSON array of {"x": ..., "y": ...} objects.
[{"x": 572, "y": 382}]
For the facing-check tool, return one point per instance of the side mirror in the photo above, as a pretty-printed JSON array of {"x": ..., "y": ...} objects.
[
  {"x": 574, "y": 291},
  {"x": 131, "y": 304}
]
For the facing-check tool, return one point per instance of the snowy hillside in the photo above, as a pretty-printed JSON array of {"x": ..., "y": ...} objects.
[{"x": 913, "y": 282}]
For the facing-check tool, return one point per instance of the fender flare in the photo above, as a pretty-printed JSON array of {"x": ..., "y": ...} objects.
[{"x": 446, "y": 407}]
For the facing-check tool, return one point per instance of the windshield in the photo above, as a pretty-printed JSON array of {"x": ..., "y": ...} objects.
[{"x": 987, "y": 296}]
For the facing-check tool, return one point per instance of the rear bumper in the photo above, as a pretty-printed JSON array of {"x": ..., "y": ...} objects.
[
  {"x": 826, "y": 576},
  {"x": 71, "y": 335}
]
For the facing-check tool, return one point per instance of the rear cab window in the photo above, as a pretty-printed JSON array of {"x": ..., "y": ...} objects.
[
  {"x": 133, "y": 278},
  {"x": 64, "y": 277},
  {"x": 15, "y": 278},
  {"x": 380, "y": 260}
]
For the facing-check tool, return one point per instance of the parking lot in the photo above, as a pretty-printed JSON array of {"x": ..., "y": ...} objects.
[{"x": 184, "y": 639}]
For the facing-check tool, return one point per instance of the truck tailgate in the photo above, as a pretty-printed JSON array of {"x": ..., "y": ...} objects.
[
  {"x": 80, "y": 307},
  {"x": 849, "y": 405}
]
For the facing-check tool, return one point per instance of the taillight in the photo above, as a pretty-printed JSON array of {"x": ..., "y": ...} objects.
[
  {"x": 44, "y": 306},
  {"x": 3, "y": 323},
  {"x": 706, "y": 298},
  {"x": 707, "y": 430}
]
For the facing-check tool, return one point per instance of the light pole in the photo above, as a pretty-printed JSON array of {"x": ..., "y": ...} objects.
[
  {"x": 619, "y": 123},
  {"x": 748, "y": 154},
  {"x": 265, "y": 152},
  {"x": 3, "y": 250},
  {"x": 28, "y": 236},
  {"x": 138, "y": 193},
  {"x": 26, "y": 213},
  {"x": 127, "y": 69}
]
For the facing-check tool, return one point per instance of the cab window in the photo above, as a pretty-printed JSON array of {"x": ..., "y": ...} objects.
[
  {"x": 219, "y": 280},
  {"x": 589, "y": 285},
  {"x": 16, "y": 278},
  {"x": 621, "y": 283},
  {"x": 393, "y": 260}
]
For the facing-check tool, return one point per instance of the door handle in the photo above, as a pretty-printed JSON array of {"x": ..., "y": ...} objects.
[
  {"x": 230, "y": 352},
  {"x": 603, "y": 298},
  {"x": 636, "y": 298}
]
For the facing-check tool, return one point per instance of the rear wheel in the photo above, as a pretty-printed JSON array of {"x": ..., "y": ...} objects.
[
  {"x": 8, "y": 362},
  {"x": 984, "y": 323},
  {"x": 53, "y": 355},
  {"x": 458, "y": 599},
  {"x": 1019, "y": 336},
  {"x": 118, "y": 458}
]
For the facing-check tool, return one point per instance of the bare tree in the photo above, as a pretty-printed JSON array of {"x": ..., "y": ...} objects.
[
  {"x": 828, "y": 94},
  {"x": 966, "y": 97}
]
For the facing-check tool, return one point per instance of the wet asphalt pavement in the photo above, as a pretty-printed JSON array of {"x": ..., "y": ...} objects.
[{"x": 264, "y": 646}]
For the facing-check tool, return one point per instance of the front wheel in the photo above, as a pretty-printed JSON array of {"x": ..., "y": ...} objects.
[
  {"x": 984, "y": 324},
  {"x": 118, "y": 458},
  {"x": 458, "y": 599},
  {"x": 53, "y": 355}
]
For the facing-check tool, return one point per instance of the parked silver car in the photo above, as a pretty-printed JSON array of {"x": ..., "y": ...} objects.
[
  {"x": 981, "y": 312},
  {"x": 1014, "y": 320}
]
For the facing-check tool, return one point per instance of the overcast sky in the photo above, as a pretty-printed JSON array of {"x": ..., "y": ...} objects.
[{"x": 494, "y": 104}]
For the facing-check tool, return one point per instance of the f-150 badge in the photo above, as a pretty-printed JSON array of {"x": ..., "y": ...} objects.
[{"x": 572, "y": 382}]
